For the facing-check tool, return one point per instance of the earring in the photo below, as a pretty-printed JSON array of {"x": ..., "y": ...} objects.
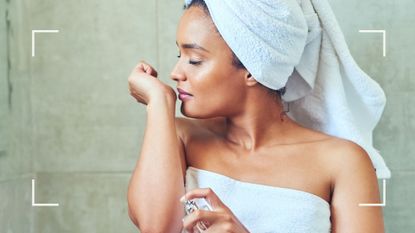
[{"x": 284, "y": 110}]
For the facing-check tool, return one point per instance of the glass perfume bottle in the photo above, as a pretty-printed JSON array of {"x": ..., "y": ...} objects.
[{"x": 195, "y": 204}]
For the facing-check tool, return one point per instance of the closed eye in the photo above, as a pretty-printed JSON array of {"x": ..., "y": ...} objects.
[
  {"x": 191, "y": 62},
  {"x": 194, "y": 62}
]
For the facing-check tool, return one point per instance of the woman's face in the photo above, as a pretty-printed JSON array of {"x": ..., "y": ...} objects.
[{"x": 205, "y": 69}]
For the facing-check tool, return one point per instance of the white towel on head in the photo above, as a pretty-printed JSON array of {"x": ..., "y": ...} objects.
[{"x": 299, "y": 45}]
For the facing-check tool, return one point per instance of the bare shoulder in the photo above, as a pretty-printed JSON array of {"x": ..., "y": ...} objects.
[
  {"x": 354, "y": 181},
  {"x": 335, "y": 151},
  {"x": 347, "y": 156},
  {"x": 343, "y": 159}
]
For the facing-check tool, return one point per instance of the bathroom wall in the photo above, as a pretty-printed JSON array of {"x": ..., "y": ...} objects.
[
  {"x": 3, "y": 79},
  {"x": 86, "y": 127},
  {"x": 16, "y": 214},
  {"x": 67, "y": 119}
]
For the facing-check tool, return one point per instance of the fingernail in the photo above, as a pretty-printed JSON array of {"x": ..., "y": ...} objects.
[{"x": 182, "y": 199}]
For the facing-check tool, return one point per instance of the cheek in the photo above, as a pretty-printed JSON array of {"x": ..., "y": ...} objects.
[
  {"x": 205, "y": 80},
  {"x": 218, "y": 96},
  {"x": 212, "y": 85},
  {"x": 216, "y": 92}
]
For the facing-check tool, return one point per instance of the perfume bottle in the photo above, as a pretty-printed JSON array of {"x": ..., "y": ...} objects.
[{"x": 195, "y": 204}]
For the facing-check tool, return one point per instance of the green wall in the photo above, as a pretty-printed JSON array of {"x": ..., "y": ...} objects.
[{"x": 16, "y": 213}]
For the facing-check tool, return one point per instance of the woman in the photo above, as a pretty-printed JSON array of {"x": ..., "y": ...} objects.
[{"x": 241, "y": 136}]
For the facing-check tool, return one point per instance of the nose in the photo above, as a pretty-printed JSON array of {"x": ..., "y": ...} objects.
[{"x": 177, "y": 73}]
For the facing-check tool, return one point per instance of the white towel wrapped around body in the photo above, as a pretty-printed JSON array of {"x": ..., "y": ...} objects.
[{"x": 264, "y": 208}]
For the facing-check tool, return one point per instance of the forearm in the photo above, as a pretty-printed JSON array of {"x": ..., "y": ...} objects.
[{"x": 157, "y": 181}]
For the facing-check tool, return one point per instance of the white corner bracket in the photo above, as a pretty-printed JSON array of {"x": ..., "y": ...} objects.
[
  {"x": 34, "y": 35},
  {"x": 383, "y": 197},
  {"x": 384, "y": 37},
  {"x": 40, "y": 204}
]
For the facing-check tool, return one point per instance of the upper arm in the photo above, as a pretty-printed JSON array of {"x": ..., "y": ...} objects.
[
  {"x": 182, "y": 129},
  {"x": 355, "y": 182}
]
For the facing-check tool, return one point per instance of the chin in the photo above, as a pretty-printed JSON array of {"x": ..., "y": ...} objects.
[
  {"x": 190, "y": 114},
  {"x": 196, "y": 113}
]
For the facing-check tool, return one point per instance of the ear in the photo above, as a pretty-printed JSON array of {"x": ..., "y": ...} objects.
[{"x": 249, "y": 79}]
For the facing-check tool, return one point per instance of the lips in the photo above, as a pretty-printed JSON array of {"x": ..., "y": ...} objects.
[
  {"x": 183, "y": 95},
  {"x": 182, "y": 92}
]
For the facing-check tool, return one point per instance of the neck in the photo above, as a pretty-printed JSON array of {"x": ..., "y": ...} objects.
[{"x": 259, "y": 124}]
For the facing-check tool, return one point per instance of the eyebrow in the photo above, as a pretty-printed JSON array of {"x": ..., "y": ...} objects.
[{"x": 192, "y": 46}]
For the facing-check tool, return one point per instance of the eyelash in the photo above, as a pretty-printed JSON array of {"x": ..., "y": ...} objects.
[{"x": 191, "y": 62}]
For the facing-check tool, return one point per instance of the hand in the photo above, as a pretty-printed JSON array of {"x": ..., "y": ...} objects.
[
  {"x": 144, "y": 84},
  {"x": 221, "y": 219}
]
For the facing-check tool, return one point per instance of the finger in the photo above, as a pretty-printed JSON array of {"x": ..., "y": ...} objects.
[
  {"x": 145, "y": 67},
  {"x": 151, "y": 71},
  {"x": 206, "y": 193},
  {"x": 139, "y": 67},
  {"x": 204, "y": 218}
]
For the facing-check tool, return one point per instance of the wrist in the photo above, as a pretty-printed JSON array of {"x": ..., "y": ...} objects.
[{"x": 162, "y": 99}]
